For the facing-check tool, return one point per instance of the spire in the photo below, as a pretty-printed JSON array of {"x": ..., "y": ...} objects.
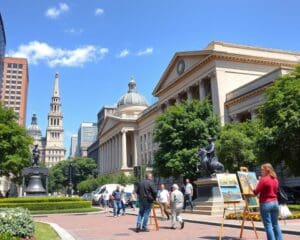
[{"x": 56, "y": 86}]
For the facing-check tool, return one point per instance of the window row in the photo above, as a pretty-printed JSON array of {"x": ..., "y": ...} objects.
[{"x": 14, "y": 65}]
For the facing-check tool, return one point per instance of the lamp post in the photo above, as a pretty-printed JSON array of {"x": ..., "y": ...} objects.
[{"x": 70, "y": 174}]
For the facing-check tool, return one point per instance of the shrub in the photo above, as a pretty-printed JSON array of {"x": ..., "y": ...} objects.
[
  {"x": 16, "y": 222},
  {"x": 40, "y": 199},
  {"x": 48, "y": 205}
]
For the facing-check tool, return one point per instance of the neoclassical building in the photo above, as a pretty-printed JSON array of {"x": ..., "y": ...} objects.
[{"x": 232, "y": 76}]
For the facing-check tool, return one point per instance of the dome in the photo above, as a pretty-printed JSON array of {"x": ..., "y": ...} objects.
[
  {"x": 132, "y": 97},
  {"x": 34, "y": 130}
]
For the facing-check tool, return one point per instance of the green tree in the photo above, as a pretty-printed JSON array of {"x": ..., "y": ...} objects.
[
  {"x": 14, "y": 144},
  {"x": 236, "y": 145},
  {"x": 280, "y": 116},
  {"x": 179, "y": 132},
  {"x": 83, "y": 168}
]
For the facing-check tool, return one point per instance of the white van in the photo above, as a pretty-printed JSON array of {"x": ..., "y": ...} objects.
[{"x": 109, "y": 187}]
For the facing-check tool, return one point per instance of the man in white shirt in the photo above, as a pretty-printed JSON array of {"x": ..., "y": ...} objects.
[
  {"x": 176, "y": 207},
  {"x": 163, "y": 199},
  {"x": 188, "y": 194}
]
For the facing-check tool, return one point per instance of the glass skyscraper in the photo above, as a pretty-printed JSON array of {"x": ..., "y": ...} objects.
[{"x": 2, "y": 49}]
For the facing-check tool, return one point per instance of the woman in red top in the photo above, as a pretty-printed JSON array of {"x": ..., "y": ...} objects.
[{"x": 266, "y": 189}]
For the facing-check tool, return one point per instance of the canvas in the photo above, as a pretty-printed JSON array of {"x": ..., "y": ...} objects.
[{"x": 229, "y": 187}]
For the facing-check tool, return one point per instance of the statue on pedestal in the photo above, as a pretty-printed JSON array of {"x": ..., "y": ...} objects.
[
  {"x": 35, "y": 156},
  {"x": 209, "y": 164}
]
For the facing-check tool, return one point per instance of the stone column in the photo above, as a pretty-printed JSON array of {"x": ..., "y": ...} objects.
[
  {"x": 124, "y": 149},
  {"x": 201, "y": 90},
  {"x": 189, "y": 94},
  {"x": 135, "y": 136}
]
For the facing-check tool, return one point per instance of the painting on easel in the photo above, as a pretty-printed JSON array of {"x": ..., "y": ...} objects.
[
  {"x": 229, "y": 187},
  {"x": 248, "y": 181}
]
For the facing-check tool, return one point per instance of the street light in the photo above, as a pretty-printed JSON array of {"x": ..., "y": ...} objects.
[{"x": 70, "y": 176}]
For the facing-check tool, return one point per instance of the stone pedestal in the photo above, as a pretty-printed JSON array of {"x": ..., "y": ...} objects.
[{"x": 209, "y": 200}]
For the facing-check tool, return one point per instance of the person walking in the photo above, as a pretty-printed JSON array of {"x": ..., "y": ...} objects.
[
  {"x": 116, "y": 195},
  {"x": 163, "y": 198},
  {"x": 105, "y": 201},
  {"x": 266, "y": 189},
  {"x": 188, "y": 194},
  {"x": 123, "y": 201},
  {"x": 147, "y": 194},
  {"x": 176, "y": 202}
]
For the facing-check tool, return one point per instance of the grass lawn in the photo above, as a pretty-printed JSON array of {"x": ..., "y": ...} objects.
[{"x": 44, "y": 231}]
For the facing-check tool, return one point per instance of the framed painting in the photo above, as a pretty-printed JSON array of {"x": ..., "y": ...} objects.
[
  {"x": 248, "y": 181},
  {"x": 229, "y": 187}
]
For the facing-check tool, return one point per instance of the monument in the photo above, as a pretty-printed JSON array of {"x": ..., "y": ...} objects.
[
  {"x": 36, "y": 174},
  {"x": 209, "y": 200}
]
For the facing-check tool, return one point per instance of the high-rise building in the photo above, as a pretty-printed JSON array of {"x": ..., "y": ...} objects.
[
  {"x": 74, "y": 146},
  {"x": 2, "y": 48},
  {"x": 87, "y": 134},
  {"x": 15, "y": 86},
  {"x": 55, "y": 149}
]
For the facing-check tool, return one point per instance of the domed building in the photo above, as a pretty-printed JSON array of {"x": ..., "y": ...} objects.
[
  {"x": 118, "y": 130},
  {"x": 34, "y": 131}
]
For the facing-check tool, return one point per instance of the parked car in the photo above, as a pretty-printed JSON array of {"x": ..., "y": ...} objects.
[
  {"x": 290, "y": 194},
  {"x": 87, "y": 196}
]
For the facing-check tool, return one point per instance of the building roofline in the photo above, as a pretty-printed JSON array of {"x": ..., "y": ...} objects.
[{"x": 235, "y": 45}]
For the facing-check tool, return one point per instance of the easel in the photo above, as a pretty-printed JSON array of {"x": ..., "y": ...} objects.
[
  {"x": 248, "y": 210},
  {"x": 248, "y": 213},
  {"x": 153, "y": 215},
  {"x": 228, "y": 208}
]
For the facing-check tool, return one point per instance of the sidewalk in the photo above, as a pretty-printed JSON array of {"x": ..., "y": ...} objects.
[{"x": 95, "y": 226}]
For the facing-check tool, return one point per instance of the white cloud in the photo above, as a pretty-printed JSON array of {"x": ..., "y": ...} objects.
[
  {"x": 54, "y": 12},
  {"x": 74, "y": 31},
  {"x": 123, "y": 53},
  {"x": 99, "y": 12},
  {"x": 37, "y": 52},
  {"x": 147, "y": 51}
]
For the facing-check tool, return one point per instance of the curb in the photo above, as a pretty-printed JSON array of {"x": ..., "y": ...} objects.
[{"x": 62, "y": 233}]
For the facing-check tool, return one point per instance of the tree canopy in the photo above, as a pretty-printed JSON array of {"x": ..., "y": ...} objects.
[
  {"x": 14, "y": 144},
  {"x": 83, "y": 168},
  {"x": 280, "y": 117},
  {"x": 236, "y": 145},
  {"x": 179, "y": 132}
]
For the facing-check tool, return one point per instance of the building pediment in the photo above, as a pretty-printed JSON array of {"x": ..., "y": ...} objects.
[
  {"x": 181, "y": 63},
  {"x": 109, "y": 123}
]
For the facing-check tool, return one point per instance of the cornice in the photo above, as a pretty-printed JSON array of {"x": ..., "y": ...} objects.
[{"x": 248, "y": 95}]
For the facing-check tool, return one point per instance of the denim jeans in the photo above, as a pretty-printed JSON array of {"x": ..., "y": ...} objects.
[
  {"x": 188, "y": 198},
  {"x": 117, "y": 207},
  {"x": 144, "y": 212},
  {"x": 269, "y": 215}
]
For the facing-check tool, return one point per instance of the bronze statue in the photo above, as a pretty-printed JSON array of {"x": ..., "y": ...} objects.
[
  {"x": 209, "y": 164},
  {"x": 35, "y": 156}
]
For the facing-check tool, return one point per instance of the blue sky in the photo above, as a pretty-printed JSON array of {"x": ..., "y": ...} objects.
[{"x": 97, "y": 45}]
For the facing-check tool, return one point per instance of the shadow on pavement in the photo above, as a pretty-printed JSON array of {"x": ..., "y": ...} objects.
[{"x": 216, "y": 238}]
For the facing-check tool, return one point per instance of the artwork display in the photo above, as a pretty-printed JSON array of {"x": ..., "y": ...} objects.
[
  {"x": 229, "y": 187},
  {"x": 248, "y": 181}
]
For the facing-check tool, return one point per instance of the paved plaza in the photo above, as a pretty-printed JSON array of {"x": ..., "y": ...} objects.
[{"x": 106, "y": 227}]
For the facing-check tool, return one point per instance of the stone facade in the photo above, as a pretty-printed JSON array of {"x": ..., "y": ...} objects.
[{"x": 218, "y": 72}]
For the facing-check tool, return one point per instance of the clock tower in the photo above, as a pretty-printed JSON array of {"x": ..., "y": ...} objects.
[{"x": 55, "y": 150}]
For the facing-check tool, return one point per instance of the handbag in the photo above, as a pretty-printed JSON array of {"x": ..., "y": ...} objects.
[
  {"x": 284, "y": 211},
  {"x": 282, "y": 196}
]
